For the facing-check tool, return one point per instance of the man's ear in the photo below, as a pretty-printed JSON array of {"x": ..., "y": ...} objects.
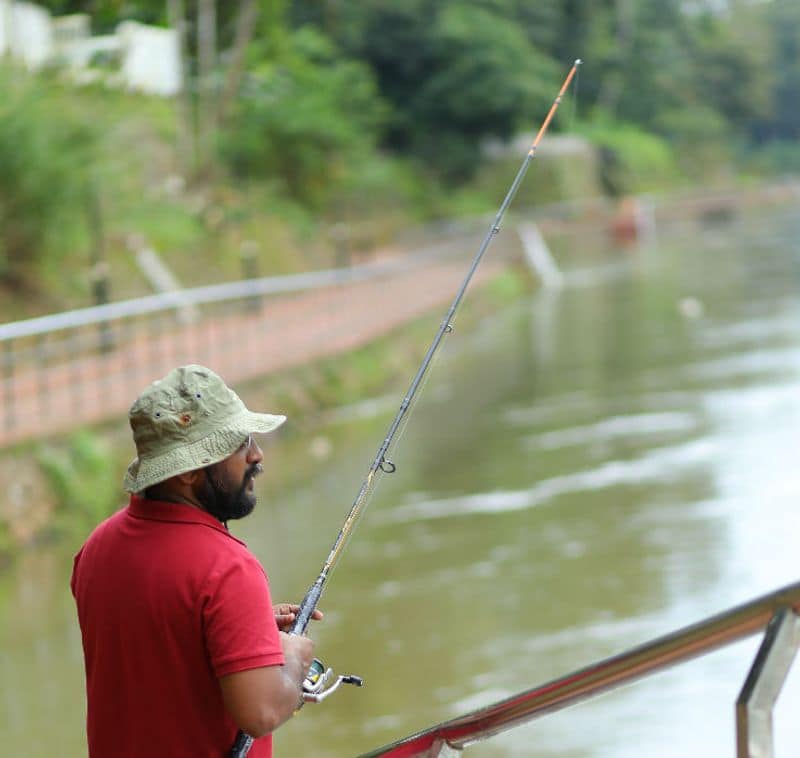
[{"x": 190, "y": 478}]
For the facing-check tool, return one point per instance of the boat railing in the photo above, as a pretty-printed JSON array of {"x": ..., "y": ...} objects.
[{"x": 776, "y": 614}]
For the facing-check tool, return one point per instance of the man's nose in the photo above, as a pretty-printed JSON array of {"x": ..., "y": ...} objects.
[{"x": 254, "y": 453}]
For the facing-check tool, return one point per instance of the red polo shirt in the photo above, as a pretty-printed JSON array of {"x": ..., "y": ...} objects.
[{"x": 168, "y": 601}]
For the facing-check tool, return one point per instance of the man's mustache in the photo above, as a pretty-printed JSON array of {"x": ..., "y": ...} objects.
[{"x": 255, "y": 470}]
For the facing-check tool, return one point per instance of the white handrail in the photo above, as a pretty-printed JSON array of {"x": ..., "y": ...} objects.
[{"x": 164, "y": 301}]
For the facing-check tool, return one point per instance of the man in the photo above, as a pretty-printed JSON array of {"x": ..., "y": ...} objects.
[{"x": 182, "y": 645}]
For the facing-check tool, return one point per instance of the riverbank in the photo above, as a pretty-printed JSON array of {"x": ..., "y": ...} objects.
[{"x": 71, "y": 481}]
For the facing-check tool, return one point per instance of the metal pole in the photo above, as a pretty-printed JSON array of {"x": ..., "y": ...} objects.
[
  {"x": 602, "y": 676},
  {"x": 763, "y": 685},
  {"x": 9, "y": 384}
]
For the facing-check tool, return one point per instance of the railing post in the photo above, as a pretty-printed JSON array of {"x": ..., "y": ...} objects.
[
  {"x": 8, "y": 381},
  {"x": 42, "y": 355},
  {"x": 763, "y": 685},
  {"x": 248, "y": 254}
]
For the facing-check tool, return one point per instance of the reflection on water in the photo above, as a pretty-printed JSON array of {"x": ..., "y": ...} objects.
[{"x": 586, "y": 471}]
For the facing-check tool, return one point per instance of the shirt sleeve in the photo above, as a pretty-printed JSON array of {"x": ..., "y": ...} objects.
[
  {"x": 73, "y": 582},
  {"x": 238, "y": 621}
]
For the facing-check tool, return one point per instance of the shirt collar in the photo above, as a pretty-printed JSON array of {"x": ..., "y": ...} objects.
[{"x": 175, "y": 513}]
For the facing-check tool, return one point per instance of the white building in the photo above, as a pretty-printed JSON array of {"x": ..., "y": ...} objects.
[
  {"x": 138, "y": 57},
  {"x": 151, "y": 59},
  {"x": 26, "y": 32}
]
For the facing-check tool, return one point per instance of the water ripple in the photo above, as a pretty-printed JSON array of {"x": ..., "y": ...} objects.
[
  {"x": 660, "y": 464},
  {"x": 614, "y": 428}
]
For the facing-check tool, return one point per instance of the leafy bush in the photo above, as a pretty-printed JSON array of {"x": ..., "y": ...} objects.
[
  {"x": 701, "y": 139},
  {"x": 83, "y": 478},
  {"x": 45, "y": 160},
  {"x": 301, "y": 117},
  {"x": 778, "y": 157},
  {"x": 632, "y": 160}
]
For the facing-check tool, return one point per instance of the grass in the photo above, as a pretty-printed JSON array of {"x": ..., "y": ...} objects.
[{"x": 201, "y": 228}]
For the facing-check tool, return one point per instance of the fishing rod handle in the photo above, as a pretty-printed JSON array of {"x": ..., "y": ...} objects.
[
  {"x": 307, "y": 606},
  {"x": 243, "y": 742},
  {"x": 241, "y": 745}
]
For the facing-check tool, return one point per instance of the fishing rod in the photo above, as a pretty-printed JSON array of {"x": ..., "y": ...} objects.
[{"x": 318, "y": 676}]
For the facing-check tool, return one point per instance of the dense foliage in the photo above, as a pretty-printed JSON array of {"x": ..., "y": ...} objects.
[
  {"x": 299, "y": 113},
  {"x": 44, "y": 176},
  {"x": 351, "y": 110},
  {"x": 456, "y": 71}
]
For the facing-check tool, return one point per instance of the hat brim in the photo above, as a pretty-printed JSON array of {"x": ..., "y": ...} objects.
[{"x": 213, "y": 448}]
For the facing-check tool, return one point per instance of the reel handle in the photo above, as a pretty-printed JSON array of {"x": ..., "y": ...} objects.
[{"x": 318, "y": 676}]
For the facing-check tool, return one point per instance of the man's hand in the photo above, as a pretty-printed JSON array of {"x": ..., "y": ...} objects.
[
  {"x": 298, "y": 651},
  {"x": 261, "y": 699},
  {"x": 286, "y": 613}
]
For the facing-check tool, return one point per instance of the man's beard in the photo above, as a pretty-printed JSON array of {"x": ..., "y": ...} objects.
[{"x": 222, "y": 501}]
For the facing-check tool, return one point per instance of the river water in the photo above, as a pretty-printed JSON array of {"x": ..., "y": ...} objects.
[{"x": 588, "y": 469}]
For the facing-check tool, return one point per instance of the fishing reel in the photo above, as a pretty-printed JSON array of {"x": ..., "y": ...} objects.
[
  {"x": 314, "y": 691},
  {"x": 314, "y": 685}
]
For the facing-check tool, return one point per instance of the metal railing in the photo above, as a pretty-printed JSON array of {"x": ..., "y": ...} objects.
[
  {"x": 775, "y": 612},
  {"x": 77, "y": 368}
]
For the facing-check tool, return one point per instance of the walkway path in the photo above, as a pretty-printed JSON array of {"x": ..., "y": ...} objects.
[{"x": 271, "y": 335}]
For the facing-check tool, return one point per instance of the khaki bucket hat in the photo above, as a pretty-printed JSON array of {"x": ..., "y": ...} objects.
[{"x": 188, "y": 420}]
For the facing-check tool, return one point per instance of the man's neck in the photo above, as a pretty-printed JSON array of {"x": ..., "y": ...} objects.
[{"x": 172, "y": 495}]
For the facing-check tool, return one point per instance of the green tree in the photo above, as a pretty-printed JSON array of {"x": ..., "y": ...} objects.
[
  {"x": 106, "y": 14},
  {"x": 782, "y": 122},
  {"x": 303, "y": 111},
  {"x": 732, "y": 71},
  {"x": 454, "y": 72}
]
